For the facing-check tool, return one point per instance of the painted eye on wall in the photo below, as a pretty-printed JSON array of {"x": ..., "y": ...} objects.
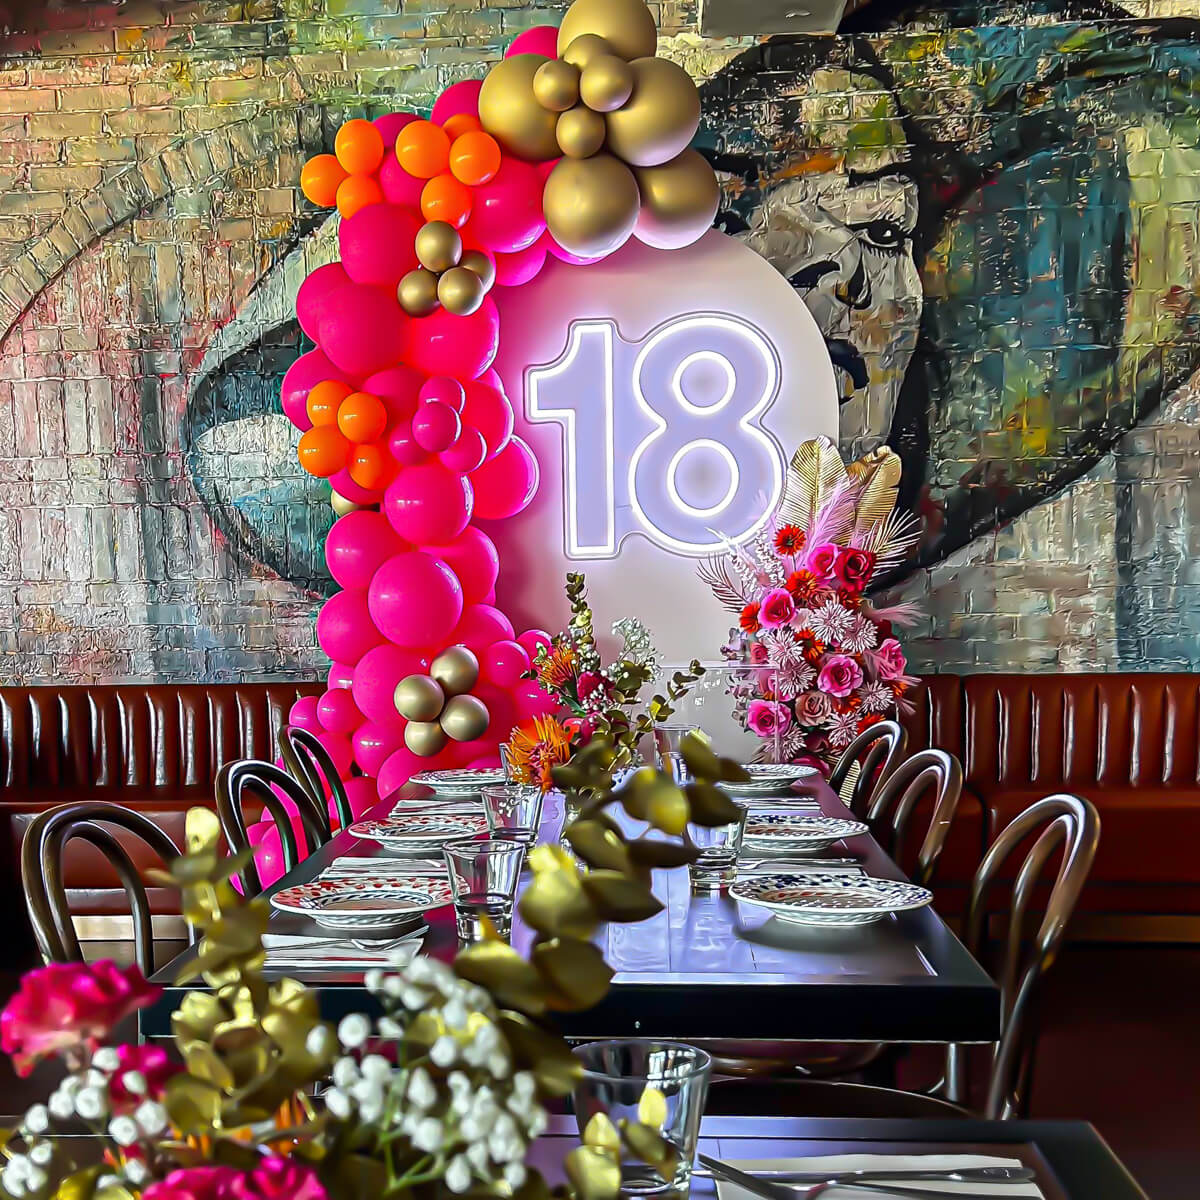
[{"x": 882, "y": 235}]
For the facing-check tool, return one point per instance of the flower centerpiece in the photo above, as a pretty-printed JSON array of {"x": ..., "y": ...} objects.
[{"x": 825, "y": 663}]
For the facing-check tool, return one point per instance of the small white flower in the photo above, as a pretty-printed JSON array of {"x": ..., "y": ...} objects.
[
  {"x": 345, "y": 1072},
  {"x": 320, "y": 1041},
  {"x": 13, "y": 1183},
  {"x": 61, "y": 1104},
  {"x": 477, "y": 1156},
  {"x": 536, "y": 1123},
  {"x": 390, "y": 1028},
  {"x": 497, "y": 1064},
  {"x": 458, "y": 1174},
  {"x": 444, "y": 1051},
  {"x": 41, "y": 1154},
  {"x": 455, "y": 1013},
  {"x": 428, "y": 1135},
  {"x": 36, "y": 1179},
  {"x": 373, "y": 980},
  {"x": 91, "y": 1103},
  {"x": 514, "y": 1175},
  {"x": 413, "y": 998},
  {"x": 37, "y": 1119},
  {"x": 94, "y": 1078},
  {"x": 338, "y": 1103},
  {"x": 393, "y": 986},
  {"x": 18, "y": 1168},
  {"x": 354, "y": 1031},
  {"x": 123, "y": 1131},
  {"x": 106, "y": 1059},
  {"x": 134, "y": 1083},
  {"x": 151, "y": 1116},
  {"x": 421, "y": 1092},
  {"x": 136, "y": 1171},
  {"x": 375, "y": 1067},
  {"x": 370, "y": 1103}
]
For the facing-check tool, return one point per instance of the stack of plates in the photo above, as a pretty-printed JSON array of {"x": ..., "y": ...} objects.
[
  {"x": 462, "y": 781},
  {"x": 769, "y": 779},
  {"x": 826, "y": 898},
  {"x": 796, "y": 833},
  {"x": 365, "y": 904},
  {"x": 420, "y": 832}
]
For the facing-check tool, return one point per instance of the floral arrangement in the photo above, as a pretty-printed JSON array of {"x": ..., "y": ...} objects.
[
  {"x": 441, "y": 1091},
  {"x": 824, "y": 661}
]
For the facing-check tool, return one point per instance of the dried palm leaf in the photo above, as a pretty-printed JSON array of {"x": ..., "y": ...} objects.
[
  {"x": 715, "y": 573},
  {"x": 816, "y": 468},
  {"x": 879, "y": 475}
]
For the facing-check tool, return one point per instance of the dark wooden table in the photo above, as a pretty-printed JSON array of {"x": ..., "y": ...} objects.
[{"x": 708, "y": 967}]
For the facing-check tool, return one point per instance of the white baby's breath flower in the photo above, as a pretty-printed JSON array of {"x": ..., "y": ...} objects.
[
  {"x": 390, "y": 1028},
  {"x": 514, "y": 1175},
  {"x": 413, "y": 998},
  {"x": 151, "y": 1116},
  {"x": 94, "y": 1078},
  {"x": 535, "y": 1124},
  {"x": 353, "y": 1031},
  {"x": 36, "y": 1178},
  {"x": 320, "y": 1041},
  {"x": 444, "y": 1051},
  {"x": 338, "y": 1103},
  {"x": 393, "y": 986},
  {"x": 91, "y": 1103},
  {"x": 37, "y": 1119},
  {"x": 421, "y": 1092},
  {"x": 373, "y": 980},
  {"x": 455, "y": 1012},
  {"x": 376, "y": 1068},
  {"x": 61, "y": 1104},
  {"x": 345, "y": 1072},
  {"x": 136, "y": 1171},
  {"x": 428, "y": 1135},
  {"x": 41, "y": 1154},
  {"x": 106, "y": 1059},
  {"x": 134, "y": 1083},
  {"x": 477, "y": 1156},
  {"x": 12, "y": 1181},
  {"x": 458, "y": 1174},
  {"x": 123, "y": 1130},
  {"x": 497, "y": 1064}
]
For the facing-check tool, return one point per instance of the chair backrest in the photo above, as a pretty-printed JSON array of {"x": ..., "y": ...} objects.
[
  {"x": 264, "y": 783},
  {"x": 42, "y": 875},
  {"x": 312, "y": 764},
  {"x": 897, "y": 797},
  {"x": 877, "y": 752}
]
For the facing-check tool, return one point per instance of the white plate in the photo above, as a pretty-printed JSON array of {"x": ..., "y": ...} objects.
[
  {"x": 420, "y": 831},
  {"x": 825, "y": 898},
  {"x": 797, "y": 833},
  {"x": 462, "y": 781},
  {"x": 769, "y": 779},
  {"x": 366, "y": 905}
]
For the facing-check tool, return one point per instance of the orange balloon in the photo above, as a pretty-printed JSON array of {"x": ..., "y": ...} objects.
[
  {"x": 357, "y": 191},
  {"x": 459, "y": 124},
  {"x": 359, "y": 147},
  {"x": 362, "y": 417},
  {"x": 474, "y": 158},
  {"x": 322, "y": 451},
  {"x": 371, "y": 467},
  {"x": 443, "y": 198},
  {"x": 320, "y": 178},
  {"x": 323, "y": 400},
  {"x": 423, "y": 149}
]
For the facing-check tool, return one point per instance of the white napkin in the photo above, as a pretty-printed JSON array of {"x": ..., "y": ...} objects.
[
  {"x": 796, "y": 866},
  {"x": 877, "y": 1162},
  {"x": 298, "y": 950},
  {"x": 410, "y": 808},
  {"x": 354, "y": 867}
]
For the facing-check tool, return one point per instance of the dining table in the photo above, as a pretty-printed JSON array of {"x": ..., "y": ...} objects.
[{"x": 706, "y": 966}]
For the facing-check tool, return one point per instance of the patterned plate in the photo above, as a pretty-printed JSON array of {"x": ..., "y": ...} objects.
[
  {"x": 371, "y": 903},
  {"x": 823, "y": 898},
  {"x": 464, "y": 781},
  {"x": 420, "y": 831},
  {"x": 796, "y": 832},
  {"x": 769, "y": 779}
]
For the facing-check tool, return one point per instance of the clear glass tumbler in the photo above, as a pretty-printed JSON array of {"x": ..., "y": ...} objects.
[
  {"x": 719, "y": 847},
  {"x": 668, "y": 743},
  {"x": 514, "y": 811},
  {"x": 483, "y": 877},
  {"x": 661, "y": 1084}
]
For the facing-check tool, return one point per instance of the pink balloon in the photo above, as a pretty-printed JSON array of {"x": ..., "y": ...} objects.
[
  {"x": 339, "y": 749},
  {"x": 404, "y": 447},
  {"x": 357, "y": 545},
  {"x": 362, "y": 796},
  {"x": 502, "y": 711},
  {"x": 400, "y": 766},
  {"x": 521, "y": 266},
  {"x": 399, "y": 388},
  {"x": 344, "y": 627},
  {"x": 506, "y": 212},
  {"x": 314, "y": 293},
  {"x": 485, "y": 761},
  {"x": 416, "y": 599},
  {"x": 304, "y": 374},
  {"x": 374, "y": 742},
  {"x": 349, "y": 490},
  {"x": 533, "y": 640},
  {"x": 445, "y": 344},
  {"x": 448, "y": 391},
  {"x": 488, "y": 410},
  {"x": 375, "y": 679},
  {"x": 481, "y": 625},
  {"x": 457, "y": 98},
  {"x": 376, "y": 245},
  {"x": 466, "y": 454},
  {"x": 436, "y": 426},
  {"x": 531, "y": 701},
  {"x": 399, "y": 187},
  {"x": 303, "y": 714},
  {"x": 268, "y": 850},
  {"x": 362, "y": 329},
  {"x": 428, "y": 503},
  {"x": 338, "y": 713},
  {"x": 473, "y": 558},
  {"x": 505, "y": 485},
  {"x": 541, "y": 39},
  {"x": 503, "y": 663},
  {"x": 340, "y": 675},
  {"x": 389, "y": 125}
]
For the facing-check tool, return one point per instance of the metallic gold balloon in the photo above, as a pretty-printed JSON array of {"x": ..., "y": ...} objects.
[
  {"x": 461, "y": 291},
  {"x": 456, "y": 670},
  {"x": 580, "y": 132},
  {"x": 585, "y": 49},
  {"x": 438, "y": 246},
  {"x": 424, "y": 738},
  {"x": 591, "y": 204},
  {"x": 417, "y": 292},
  {"x": 679, "y": 200},
  {"x": 556, "y": 84},
  {"x": 419, "y": 698},
  {"x": 341, "y": 505},
  {"x": 481, "y": 265},
  {"x": 659, "y": 119},
  {"x": 625, "y": 24},
  {"x": 465, "y": 718},
  {"x": 510, "y": 112},
  {"x": 606, "y": 83}
]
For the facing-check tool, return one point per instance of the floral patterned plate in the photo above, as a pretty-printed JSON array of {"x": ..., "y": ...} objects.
[
  {"x": 462, "y": 781},
  {"x": 420, "y": 831},
  {"x": 797, "y": 832},
  {"x": 369, "y": 904},
  {"x": 825, "y": 898},
  {"x": 769, "y": 779}
]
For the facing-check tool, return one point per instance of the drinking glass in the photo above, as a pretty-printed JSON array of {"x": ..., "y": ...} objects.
[
  {"x": 663, "y": 1084},
  {"x": 668, "y": 742},
  {"x": 514, "y": 811},
  {"x": 483, "y": 877},
  {"x": 719, "y": 847}
]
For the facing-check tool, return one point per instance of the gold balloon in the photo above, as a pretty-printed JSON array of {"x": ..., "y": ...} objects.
[
  {"x": 591, "y": 204},
  {"x": 606, "y": 83},
  {"x": 456, "y": 670},
  {"x": 510, "y": 112},
  {"x": 424, "y": 738},
  {"x": 625, "y": 24},
  {"x": 556, "y": 84},
  {"x": 585, "y": 49},
  {"x": 461, "y": 291},
  {"x": 465, "y": 718},
  {"x": 481, "y": 265},
  {"x": 679, "y": 200},
  {"x": 659, "y": 119},
  {"x": 417, "y": 292},
  {"x": 341, "y": 505},
  {"x": 580, "y": 132},
  {"x": 438, "y": 246},
  {"x": 419, "y": 698}
]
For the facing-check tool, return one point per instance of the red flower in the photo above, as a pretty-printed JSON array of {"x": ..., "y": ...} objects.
[
  {"x": 66, "y": 1006},
  {"x": 590, "y": 681},
  {"x": 853, "y": 568},
  {"x": 790, "y": 539},
  {"x": 272, "y": 1179},
  {"x": 194, "y": 1183},
  {"x": 820, "y": 559},
  {"x": 152, "y": 1063},
  {"x": 749, "y": 619},
  {"x": 849, "y": 599},
  {"x": 758, "y": 653},
  {"x": 869, "y": 720},
  {"x": 802, "y": 585}
]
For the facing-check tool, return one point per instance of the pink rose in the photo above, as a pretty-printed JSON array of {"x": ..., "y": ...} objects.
[
  {"x": 853, "y": 568},
  {"x": 65, "y": 1006},
  {"x": 278, "y": 1179},
  {"x": 821, "y": 558},
  {"x": 152, "y": 1063},
  {"x": 813, "y": 708},
  {"x": 839, "y": 676},
  {"x": 776, "y": 609},
  {"x": 194, "y": 1183},
  {"x": 889, "y": 659},
  {"x": 768, "y": 718}
]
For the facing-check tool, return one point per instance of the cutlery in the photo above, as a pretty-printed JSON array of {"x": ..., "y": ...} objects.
[{"x": 997, "y": 1174}]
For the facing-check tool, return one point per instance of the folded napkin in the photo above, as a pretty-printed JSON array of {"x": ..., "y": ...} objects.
[
  {"x": 884, "y": 1162},
  {"x": 285, "y": 950},
  {"x": 410, "y": 808},
  {"x": 796, "y": 866},
  {"x": 350, "y": 867}
]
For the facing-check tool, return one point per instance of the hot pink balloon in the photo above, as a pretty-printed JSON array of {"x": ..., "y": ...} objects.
[
  {"x": 398, "y": 387},
  {"x": 349, "y": 490},
  {"x": 466, "y": 454},
  {"x": 506, "y": 212},
  {"x": 358, "y": 544},
  {"x": 268, "y": 850},
  {"x": 302, "y": 376},
  {"x": 399, "y": 187},
  {"x": 457, "y": 98},
  {"x": 313, "y": 294},
  {"x": 363, "y": 329},
  {"x": 340, "y": 675},
  {"x": 376, "y": 245},
  {"x": 503, "y": 663},
  {"x": 428, "y": 504},
  {"x": 405, "y": 448},
  {"x": 481, "y": 625},
  {"x": 488, "y": 410},
  {"x": 448, "y": 391},
  {"x": 541, "y": 39},
  {"x": 505, "y": 485},
  {"x": 531, "y": 701},
  {"x": 401, "y": 765},
  {"x": 375, "y": 679},
  {"x": 374, "y": 742},
  {"x": 473, "y": 558},
  {"x": 533, "y": 640},
  {"x": 362, "y": 795},
  {"x": 436, "y": 426},
  {"x": 338, "y": 713},
  {"x": 389, "y": 125},
  {"x": 485, "y": 761},
  {"x": 445, "y": 344},
  {"x": 502, "y": 711},
  {"x": 344, "y": 627},
  {"x": 303, "y": 714},
  {"x": 521, "y": 266},
  {"x": 339, "y": 749},
  {"x": 416, "y": 599}
]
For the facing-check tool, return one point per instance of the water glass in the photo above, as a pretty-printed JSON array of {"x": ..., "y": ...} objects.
[
  {"x": 483, "y": 877},
  {"x": 514, "y": 811},
  {"x": 719, "y": 847},
  {"x": 668, "y": 743},
  {"x": 663, "y": 1084}
]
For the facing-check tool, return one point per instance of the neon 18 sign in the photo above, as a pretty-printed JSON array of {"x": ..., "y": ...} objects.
[{"x": 663, "y": 436}]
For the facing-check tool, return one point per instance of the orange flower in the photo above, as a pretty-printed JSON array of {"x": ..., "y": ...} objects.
[
  {"x": 803, "y": 585},
  {"x": 536, "y": 748},
  {"x": 790, "y": 539},
  {"x": 749, "y": 619},
  {"x": 558, "y": 667}
]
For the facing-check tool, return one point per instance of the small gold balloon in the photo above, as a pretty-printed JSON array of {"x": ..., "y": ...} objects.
[
  {"x": 626, "y": 25},
  {"x": 679, "y": 200},
  {"x": 591, "y": 204},
  {"x": 419, "y": 698},
  {"x": 417, "y": 292},
  {"x": 659, "y": 119},
  {"x": 510, "y": 112},
  {"x": 456, "y": 670},
  {"x": 460, "y": 291},
  {"x": 424, "y": 738},
  {"x": 585, "y": 49},
  {"x": 438, "y": 246},
  {"x": 580, "y": 132},
  {"x": 465, "y": 718},
  {"x": 341, "y": 505},
  {"x": 481, "y": 265},
  {"x": 556, "y": 84},
  {"x": 606, "y": 83}
]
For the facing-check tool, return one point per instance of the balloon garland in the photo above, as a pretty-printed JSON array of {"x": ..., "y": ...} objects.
[{"x": 575, "y": 141}]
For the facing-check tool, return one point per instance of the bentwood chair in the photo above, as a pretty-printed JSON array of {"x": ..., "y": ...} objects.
[
  {"x": 311, "y": 764},
  {"x": 866, "y": 763},
  {"x": 42, "y": 854},
  {"x": 266, "y": 785}
]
